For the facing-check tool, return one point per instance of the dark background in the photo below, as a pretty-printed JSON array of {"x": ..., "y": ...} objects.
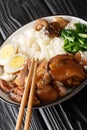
[{"x": 70, "y": 115}]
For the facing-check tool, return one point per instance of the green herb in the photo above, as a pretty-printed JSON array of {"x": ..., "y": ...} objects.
[
  {"x": 75, "y": 39},
  {"x": 81, "y": 28}
]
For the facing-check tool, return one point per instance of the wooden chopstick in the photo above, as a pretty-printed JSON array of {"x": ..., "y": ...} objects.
[
  {"x": 31, "y": 97},
  {"x": 25, "y": 96}
]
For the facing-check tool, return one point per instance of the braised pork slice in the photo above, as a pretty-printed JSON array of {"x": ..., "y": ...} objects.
[
  {"x": 65, "y": 69},
  {"x": 36, "y": 101},
  {"x": 17, "y": 94},
  {"x": 48, "y": 94},
  {"x": 59, "y": 87},
  {"x": 18, "y": 91},
  {"x": 6, "y": 86},
  {"x": 15, "y": 97},
  {"x": 80, "y": 58},
  {"x": 43, "y": 77}
]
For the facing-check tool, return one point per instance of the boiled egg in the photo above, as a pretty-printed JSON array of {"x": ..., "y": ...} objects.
[
  {"x": 15, "y": 63},
  {"x": 6, "y": 52}
]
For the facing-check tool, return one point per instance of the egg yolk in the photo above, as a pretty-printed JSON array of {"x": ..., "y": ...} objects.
[
  {"x": 16, "y": 61},
  {"x": 7, "y": 51}
]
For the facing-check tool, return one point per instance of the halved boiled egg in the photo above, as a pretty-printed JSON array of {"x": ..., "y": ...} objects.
[
  {"x": 6, "y": 52},
  {"x": 15, "y": 63}
]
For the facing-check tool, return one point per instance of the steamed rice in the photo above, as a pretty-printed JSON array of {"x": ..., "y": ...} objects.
[{"x": 39, "y": 45}]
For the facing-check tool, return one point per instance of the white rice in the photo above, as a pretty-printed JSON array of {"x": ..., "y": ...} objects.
[{"x": 39, "y": 45}]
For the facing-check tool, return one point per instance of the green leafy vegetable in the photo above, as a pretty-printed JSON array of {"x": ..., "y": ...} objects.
[
  {"x": 75, "y": 39},
  {"x": 81, "y": 28}
]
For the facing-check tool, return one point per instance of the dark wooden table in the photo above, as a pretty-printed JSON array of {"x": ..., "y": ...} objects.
[{"x": 70, "y": 115}]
